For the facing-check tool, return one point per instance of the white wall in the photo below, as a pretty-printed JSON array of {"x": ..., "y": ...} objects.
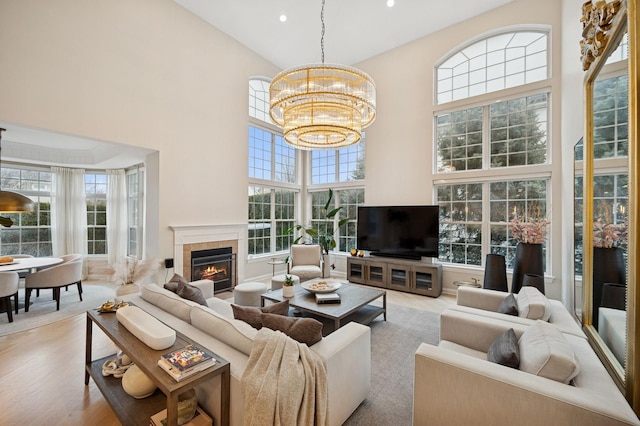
[{"x": 146, "y": 73}]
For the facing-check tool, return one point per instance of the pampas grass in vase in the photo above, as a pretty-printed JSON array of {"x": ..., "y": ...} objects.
[{"x": 130, "y": 272}]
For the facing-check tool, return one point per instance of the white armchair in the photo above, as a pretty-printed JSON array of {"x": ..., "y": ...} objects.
[
  {"x": 55, "y": 277},
  {"x": 305, "y": 261}
]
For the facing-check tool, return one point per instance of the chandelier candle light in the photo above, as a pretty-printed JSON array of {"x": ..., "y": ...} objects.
[{"x": 322, "y": 105}]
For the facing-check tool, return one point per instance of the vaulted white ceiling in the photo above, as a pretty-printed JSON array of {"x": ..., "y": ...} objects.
[{"x": 354, "y": 31}]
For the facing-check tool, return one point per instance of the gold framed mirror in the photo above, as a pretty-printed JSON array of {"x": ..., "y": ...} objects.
[{"x": 610, "y": 194}]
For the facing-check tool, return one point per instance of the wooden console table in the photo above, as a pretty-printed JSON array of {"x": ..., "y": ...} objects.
[{"x": 131, "y": 411}]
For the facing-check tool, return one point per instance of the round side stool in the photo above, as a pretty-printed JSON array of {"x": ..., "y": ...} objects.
[
  {"x": 278, "y": 280},
  {"x": 248, "y": 294}
]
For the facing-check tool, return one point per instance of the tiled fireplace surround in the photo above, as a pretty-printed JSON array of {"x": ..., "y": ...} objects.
[{"x": 187, "y": 238}]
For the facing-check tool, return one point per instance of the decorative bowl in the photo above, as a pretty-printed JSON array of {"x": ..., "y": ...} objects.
[{"x": 321, "y": 286}]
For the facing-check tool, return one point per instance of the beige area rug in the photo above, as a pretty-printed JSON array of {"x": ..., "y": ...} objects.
[
  {"x": 43, "y": 309},
  {"x": 393, "y": 347}
]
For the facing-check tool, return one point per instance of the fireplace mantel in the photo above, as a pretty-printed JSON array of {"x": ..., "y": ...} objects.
[{"x": 187, "y": 235}]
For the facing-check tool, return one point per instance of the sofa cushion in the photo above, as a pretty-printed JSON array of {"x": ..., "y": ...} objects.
[
  {"x": 253, "y": 316},
  {"x": 235, "y": 333},
  {"x": 509, "y": 305},
  {"x": 189, "y": 292},
  {"x": 304, "y": 330},
  {"x": 172, "y": 284},
  {"x": 532, "y": 304},
  {"x": 178, "y": 285},
  {"x": 168, "y": 301},
  {"x": 504, "y": 350},
  {"x": 545, "y": 352}
]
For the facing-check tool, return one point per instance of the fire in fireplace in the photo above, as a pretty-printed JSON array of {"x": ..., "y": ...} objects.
[{"x": 218, "y": 265}]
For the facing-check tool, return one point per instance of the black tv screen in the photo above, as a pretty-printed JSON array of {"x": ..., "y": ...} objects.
[{"x": 399, "y": 231}]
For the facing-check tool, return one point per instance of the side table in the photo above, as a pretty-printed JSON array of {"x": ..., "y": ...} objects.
[
  {"x": 273, "y": 262},
  {"x": 139, "y": 411}
]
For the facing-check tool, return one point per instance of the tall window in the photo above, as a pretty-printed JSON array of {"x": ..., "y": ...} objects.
[
  {"x": 95, "y": 185},
  {"x": 340, "y": 165},
  {"x": 272, "y": 178},
  {"x": 135, "y": 206},
  {"x": 30, "y": 232},
  {"x": 502, "y": 135}
]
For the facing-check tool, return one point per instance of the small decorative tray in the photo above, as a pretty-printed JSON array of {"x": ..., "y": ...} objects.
[{"x": 110, "y": 306}]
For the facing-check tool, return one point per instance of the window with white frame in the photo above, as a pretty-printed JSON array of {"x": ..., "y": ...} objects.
[
  {"x": 95, "y": 185},
  {"x": 484, "y": 145},
  {"x": 273, "y": 185},
  {"x": 135, "y": 206},
  {"x": 345, "y": 166},
  {"x": 30, "y": 232}
]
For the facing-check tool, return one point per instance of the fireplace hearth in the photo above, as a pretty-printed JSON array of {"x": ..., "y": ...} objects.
[{"x": 218, "y": 265}]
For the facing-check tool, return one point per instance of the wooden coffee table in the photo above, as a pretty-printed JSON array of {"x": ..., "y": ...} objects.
[{"x": 354, "y": 304}]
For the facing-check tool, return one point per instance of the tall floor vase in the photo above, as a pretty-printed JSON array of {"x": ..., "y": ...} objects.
[
  {"x": 528, "y": 261},
  {"x": 608, "y": 267}
]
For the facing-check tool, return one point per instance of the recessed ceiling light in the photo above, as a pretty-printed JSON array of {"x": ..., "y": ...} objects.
[
  {"x": 284, "y": 17},
  {"x": 390, "y": 3}
]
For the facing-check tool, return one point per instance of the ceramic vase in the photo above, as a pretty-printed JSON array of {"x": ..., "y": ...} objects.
[
  {"x": 125, "y": 289},
  {"x": 608, "y": 267},
  {"x": 287, "y": 291},
  {"x": 528, "y": 260},
  {"x": 534, "y": 280},
  {"x": 326, "y": 266},
  {"x": 495, "y": 273}
]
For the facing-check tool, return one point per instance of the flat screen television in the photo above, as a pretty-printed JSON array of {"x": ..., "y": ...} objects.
[{"x": 409, "y": 232}]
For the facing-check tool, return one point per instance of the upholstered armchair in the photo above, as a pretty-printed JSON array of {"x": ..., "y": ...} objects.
[
  {"x": 55, "y": 277},
  {"x": 305, "y": 261},
  {"x": 8, "y": 289}
]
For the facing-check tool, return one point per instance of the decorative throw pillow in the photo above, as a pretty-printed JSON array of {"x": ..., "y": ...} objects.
[
  {"x": 172, "y": 284},
  {"x": 532, "y": 304},
  {"x": 504, "y": 350},
  {"x": 304, "y": 330},
  {"x": 190, "y": 292},
  {"x": 253, "y": 316},
  {"x": 544, "y": 351},
  {"x": 509, "y": 305}
]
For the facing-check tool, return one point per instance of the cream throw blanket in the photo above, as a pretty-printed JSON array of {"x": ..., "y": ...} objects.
[{"x": 284, "y": 383}]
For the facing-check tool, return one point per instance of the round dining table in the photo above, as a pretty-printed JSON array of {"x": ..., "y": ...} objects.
[
  {"x": 31, "y": 263},
  {"x": 28, "y": 263}
]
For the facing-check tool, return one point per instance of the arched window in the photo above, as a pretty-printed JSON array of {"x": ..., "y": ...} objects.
[
  {"x": 494, "y": 63},
  {"x": 492, "y": 143}
]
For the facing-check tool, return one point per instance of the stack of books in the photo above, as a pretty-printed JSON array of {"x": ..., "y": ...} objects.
[
  {"x": 186, "y": 361},
  {"x": 327, "y": 298}
]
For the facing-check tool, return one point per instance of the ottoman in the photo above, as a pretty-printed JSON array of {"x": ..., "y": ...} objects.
[
  {"x": 278, "y": 280},
  {"x": 248, "y": 294}
]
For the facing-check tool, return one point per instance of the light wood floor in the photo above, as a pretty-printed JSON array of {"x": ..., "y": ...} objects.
[{"x": 42, "y": 370}]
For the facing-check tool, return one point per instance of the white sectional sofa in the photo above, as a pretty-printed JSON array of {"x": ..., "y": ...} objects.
[
  {"x": 485, "y": 302},
  {"x": 455, "y": 384},
  {"x": 346, "y": 353}
]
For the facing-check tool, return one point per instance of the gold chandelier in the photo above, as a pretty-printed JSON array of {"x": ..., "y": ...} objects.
[
  {"x": 322, "y": 105},
  {"x": 12, "y": 202}
]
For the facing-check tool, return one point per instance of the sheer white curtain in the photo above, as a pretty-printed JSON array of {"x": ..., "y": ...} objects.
[
  {"x": 117, "y": 223},
  {"x": 69, "y": 213}
]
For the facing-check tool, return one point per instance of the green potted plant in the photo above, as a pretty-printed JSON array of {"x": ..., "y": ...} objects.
[
  {"x": 324, "y": 236},
  {"x": 287, "y": 286}
]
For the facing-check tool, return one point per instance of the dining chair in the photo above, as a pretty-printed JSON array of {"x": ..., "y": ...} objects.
[
  {"x": 72, "y": 258},
  {"x": 55, "y": 277},
  {"x": 8, "y": 289}
]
